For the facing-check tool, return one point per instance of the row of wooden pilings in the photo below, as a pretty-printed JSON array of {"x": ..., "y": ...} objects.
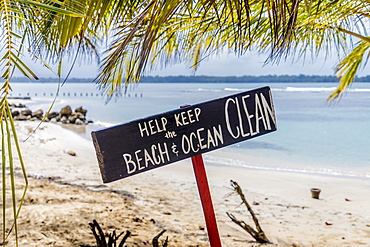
[{"x": 136, "y": 95}]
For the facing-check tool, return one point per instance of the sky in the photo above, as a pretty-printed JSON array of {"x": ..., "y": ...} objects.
[{"x": 222, "y": 65}]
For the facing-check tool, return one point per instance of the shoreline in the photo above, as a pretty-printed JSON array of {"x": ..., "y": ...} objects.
[
  {"x": 224, "y": 153},
  {"x": 292, "y": 171},
  {"x": 66, "y": 192}
]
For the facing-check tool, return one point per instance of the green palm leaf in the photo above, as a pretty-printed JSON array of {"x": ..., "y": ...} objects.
[
  {"x": 166, "y": 32},
  {"x": 350, "y": 65}
]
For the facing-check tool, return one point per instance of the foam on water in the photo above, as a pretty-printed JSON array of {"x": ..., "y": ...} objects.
[
  {"x": 104, "y": 124},
  {"x": 310, "y": 89},
  {"x": 225, "y": 161}
]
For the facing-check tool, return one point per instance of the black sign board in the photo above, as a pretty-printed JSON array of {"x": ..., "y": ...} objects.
[{"x": 145, "y": 144}]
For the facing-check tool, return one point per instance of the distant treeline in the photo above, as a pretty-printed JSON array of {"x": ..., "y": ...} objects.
[
  {"x": 215, "y": 79},
  {"x": 247, "y": 79}
]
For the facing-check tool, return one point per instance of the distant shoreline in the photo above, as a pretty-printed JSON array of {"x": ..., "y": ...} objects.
[{"x": 212, "y": 79}]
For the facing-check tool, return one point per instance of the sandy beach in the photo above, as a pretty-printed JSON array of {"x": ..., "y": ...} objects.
[{"x": 66, "y": 193}]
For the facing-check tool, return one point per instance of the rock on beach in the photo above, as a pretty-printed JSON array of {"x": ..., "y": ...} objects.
[{"x": 66, "y": 115}]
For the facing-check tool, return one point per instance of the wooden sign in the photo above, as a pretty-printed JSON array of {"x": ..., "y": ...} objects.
[{"x": 145, "y": 144}]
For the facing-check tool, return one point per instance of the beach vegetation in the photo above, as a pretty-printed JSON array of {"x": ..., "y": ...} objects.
[
  {"x": 104, "y": 239},
  {"x": 144, "y": 35}
]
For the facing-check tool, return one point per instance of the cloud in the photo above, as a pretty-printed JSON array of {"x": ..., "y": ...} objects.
[
  {"x": 253, "y": 64},
  {"x": 221, "y": 65}
]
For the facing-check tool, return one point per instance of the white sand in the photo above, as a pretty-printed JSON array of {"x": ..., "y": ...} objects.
[{"x": 68, "y": 193}]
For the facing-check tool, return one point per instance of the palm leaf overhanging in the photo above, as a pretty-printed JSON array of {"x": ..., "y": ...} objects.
[
  {"x": 162, "y": 32},
  {"x": 144, "y": 34}
]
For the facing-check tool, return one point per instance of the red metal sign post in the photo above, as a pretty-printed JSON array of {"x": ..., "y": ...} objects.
[{"x": 206, "y": 199}]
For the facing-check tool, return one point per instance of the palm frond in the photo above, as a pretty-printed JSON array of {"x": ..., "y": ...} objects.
[
  {"x": 349, "y": 67},
  {"x": 167, "y": 32}
]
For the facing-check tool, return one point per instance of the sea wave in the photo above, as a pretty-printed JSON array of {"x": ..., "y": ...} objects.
[
  {"x": 366, "y": 90},
  {"x": 208, "y": 90},
  {"x": 310, "y": 89},
  {"x": 317, "y": 89},
  {"x": 234, "y": 89},
  {"x": 104, "y": 124},
  {"x": 286, "y": 89},
  {"x": 318, "y": 171}
]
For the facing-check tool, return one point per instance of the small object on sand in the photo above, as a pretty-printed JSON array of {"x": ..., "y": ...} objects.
[
  {"x": 256, "y": 203},
  {"x": 328, "y": 224},
  {"x": 315, "y": 193},
  {"x": 71, "y": 153},
  {"x": 137, "y": 220},
  {"x": 347, "y": 200}
]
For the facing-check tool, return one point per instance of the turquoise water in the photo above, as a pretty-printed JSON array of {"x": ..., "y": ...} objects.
[{"x": 314, "y": 135}]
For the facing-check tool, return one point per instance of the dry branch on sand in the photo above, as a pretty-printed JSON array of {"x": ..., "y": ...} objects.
[{"x": 257, "y": 234}]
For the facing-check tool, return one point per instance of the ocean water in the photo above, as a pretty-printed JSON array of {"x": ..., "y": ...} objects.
[{"x": 314, "y": 135}]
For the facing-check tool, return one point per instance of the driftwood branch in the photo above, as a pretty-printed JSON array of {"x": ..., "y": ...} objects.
[{"x": 257, "y": 234}]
